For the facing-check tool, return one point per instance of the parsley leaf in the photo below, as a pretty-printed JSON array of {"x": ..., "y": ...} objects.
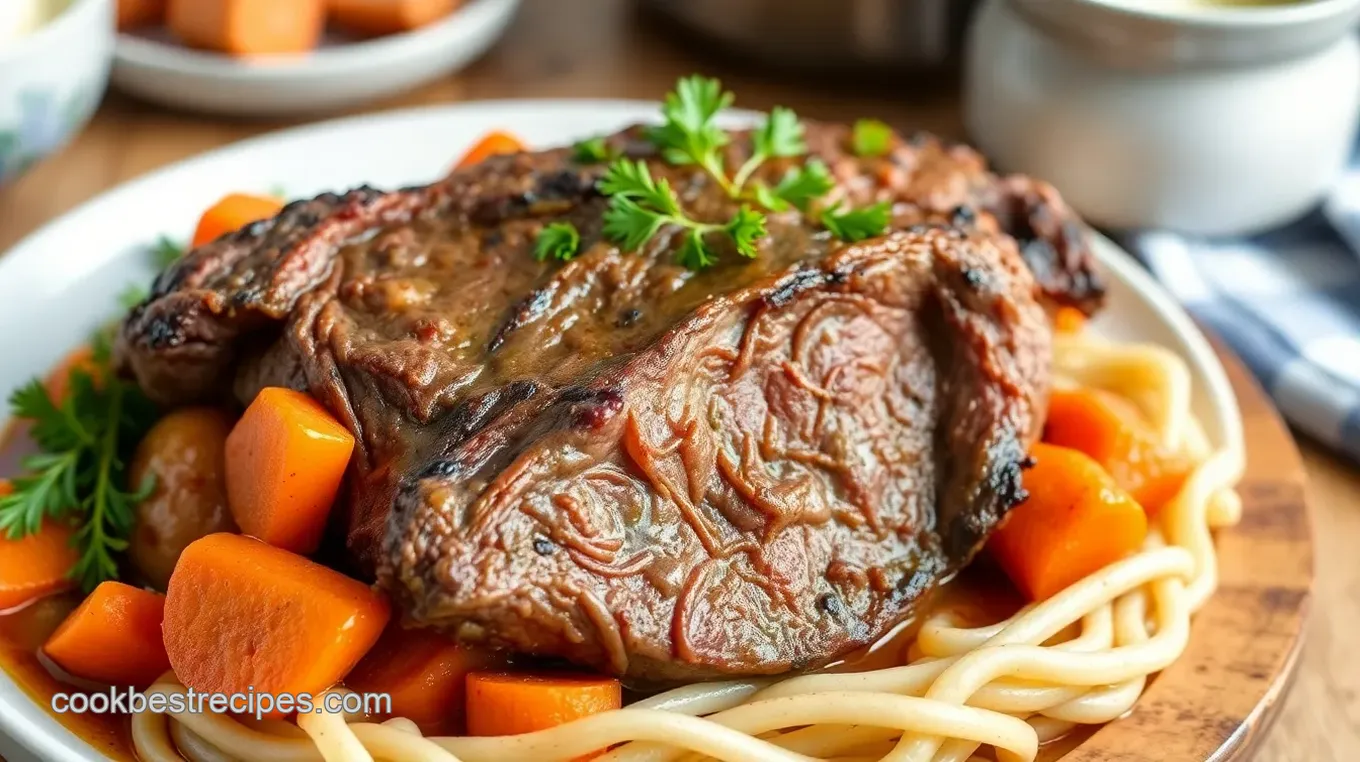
[
  {"x": 746, "y": 228},
  {"x": 85, "y": 442},
  {"x": 53, "y": 429},
  {"x": 559, "y": 241},
  {"x": 857, "y": 224},
  {"x": 870, "y": 137},
  {"x": 800, "y": 186},
  {"x": 166, "y": 252},
  {"x": 694, "y": 253},
  {"x": 592, "y": 151},
  {"x": 764, "y": 195},
  {"x": 630, "y": 225},
  {"x": 690, "y": 134},
  {"x": 632, "y": 180},
  {"x": 781, "y": 135},
  {"x": 639, "y": 206}
]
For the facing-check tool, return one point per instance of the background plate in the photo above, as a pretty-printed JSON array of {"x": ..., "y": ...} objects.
[
  {"x": 337, "y": 74},
  {"x": 63, "y": 281}
]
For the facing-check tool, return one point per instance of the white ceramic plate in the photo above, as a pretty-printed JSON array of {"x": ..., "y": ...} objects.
[
  {"x": 338, "y": 74},
  {"x": 62, "y": 282}
]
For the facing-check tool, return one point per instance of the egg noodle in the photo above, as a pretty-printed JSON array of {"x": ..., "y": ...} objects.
[{"x": 1081, "y": 657}]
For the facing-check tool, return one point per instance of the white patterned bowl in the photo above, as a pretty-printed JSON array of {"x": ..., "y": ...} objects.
[{"x": 50, "y": 83}]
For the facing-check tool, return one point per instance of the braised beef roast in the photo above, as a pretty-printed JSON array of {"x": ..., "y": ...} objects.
[{"x": 661, "y": 473}]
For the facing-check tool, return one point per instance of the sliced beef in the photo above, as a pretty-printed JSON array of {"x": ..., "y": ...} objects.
[{"x": 661, "y": 473}]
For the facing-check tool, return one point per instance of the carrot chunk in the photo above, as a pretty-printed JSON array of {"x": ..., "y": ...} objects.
[
  {"x": 113, "y": 636},
  {"x": 1075, "y": 521},
  {"x": 379, "y": 17},
  {"x": 232, "y": 213},
  {"x": 1068, "y": 320},
  {"x": 424, "y": 672},
  {"x": 135, "y": 13},
  {"x": 1114, "y": 432},
  {"x": 248, "y": 27},
  {"x": 500, "y": 704},
  {"x": 493, "y": 144},
  {"x": 58, "y": 381},
  {"x": 36, "y": 565},
  {"x": 285, "y": 460},
  {"x": 240, "y": 613}
]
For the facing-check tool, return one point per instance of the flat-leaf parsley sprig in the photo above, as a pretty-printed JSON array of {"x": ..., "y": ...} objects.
[
  {"x": 640, "y": 205},
  {"x": 690, "y": 135},
  {"x": 80, "y": 471}
]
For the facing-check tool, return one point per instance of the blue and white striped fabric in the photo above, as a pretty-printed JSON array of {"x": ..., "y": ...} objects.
[{"x": 1288, "y": 302}]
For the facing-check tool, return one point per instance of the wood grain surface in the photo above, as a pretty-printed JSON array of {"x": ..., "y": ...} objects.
[{"x": 606, "y": 48}]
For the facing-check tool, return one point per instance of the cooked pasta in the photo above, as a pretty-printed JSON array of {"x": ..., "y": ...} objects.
[{"x": 1081, "y": 657}]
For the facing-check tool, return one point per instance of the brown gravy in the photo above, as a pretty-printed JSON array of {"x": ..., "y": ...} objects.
[{"x": 22, "y": 634}]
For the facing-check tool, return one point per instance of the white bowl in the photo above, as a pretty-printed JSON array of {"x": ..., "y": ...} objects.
[
  {"x": 334, "y": 76},
  {"x": 50, "y": 83},
  {"x": 1212, "y": 121},
  {"x": 103, "y": 245}
]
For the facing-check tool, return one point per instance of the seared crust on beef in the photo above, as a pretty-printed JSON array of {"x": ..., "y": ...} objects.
[{"x": 656, "y": 472}]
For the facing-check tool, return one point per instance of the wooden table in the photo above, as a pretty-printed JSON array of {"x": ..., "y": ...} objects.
[{"x": 603, "y": 48}]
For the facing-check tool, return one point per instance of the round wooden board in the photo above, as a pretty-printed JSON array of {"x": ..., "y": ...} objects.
[{"x": 1217, "y": 700}]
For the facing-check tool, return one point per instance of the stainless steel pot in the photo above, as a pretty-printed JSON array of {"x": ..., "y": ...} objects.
[{"x": 831, "y": 34}]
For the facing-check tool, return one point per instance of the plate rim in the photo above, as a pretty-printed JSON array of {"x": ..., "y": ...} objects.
[{"x": 19, "y": 262}]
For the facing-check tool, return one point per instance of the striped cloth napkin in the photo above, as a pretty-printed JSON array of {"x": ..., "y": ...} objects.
[{"x": 1288, "y": 302}]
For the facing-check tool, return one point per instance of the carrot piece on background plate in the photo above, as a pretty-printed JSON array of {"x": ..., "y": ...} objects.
[
  {"x": 248, "y": 27},
  {"x": 113, "y": 637},
  {"x": 135, "y": 13},
  {"x": 424, "y": 672},
  {"x": 285, "y": 460},
  {"x": 379, "y": 17},
  {"x": 242, "y": 614},
  {"x": 1114, "y": 432},
  {"x": 232, "y": 213},
  {"x": 494, "y": 143},
  {"x": 1074, "y": 522},
  {"x": 36, "y": 565},
  {"x": 500, "y": 703}
]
